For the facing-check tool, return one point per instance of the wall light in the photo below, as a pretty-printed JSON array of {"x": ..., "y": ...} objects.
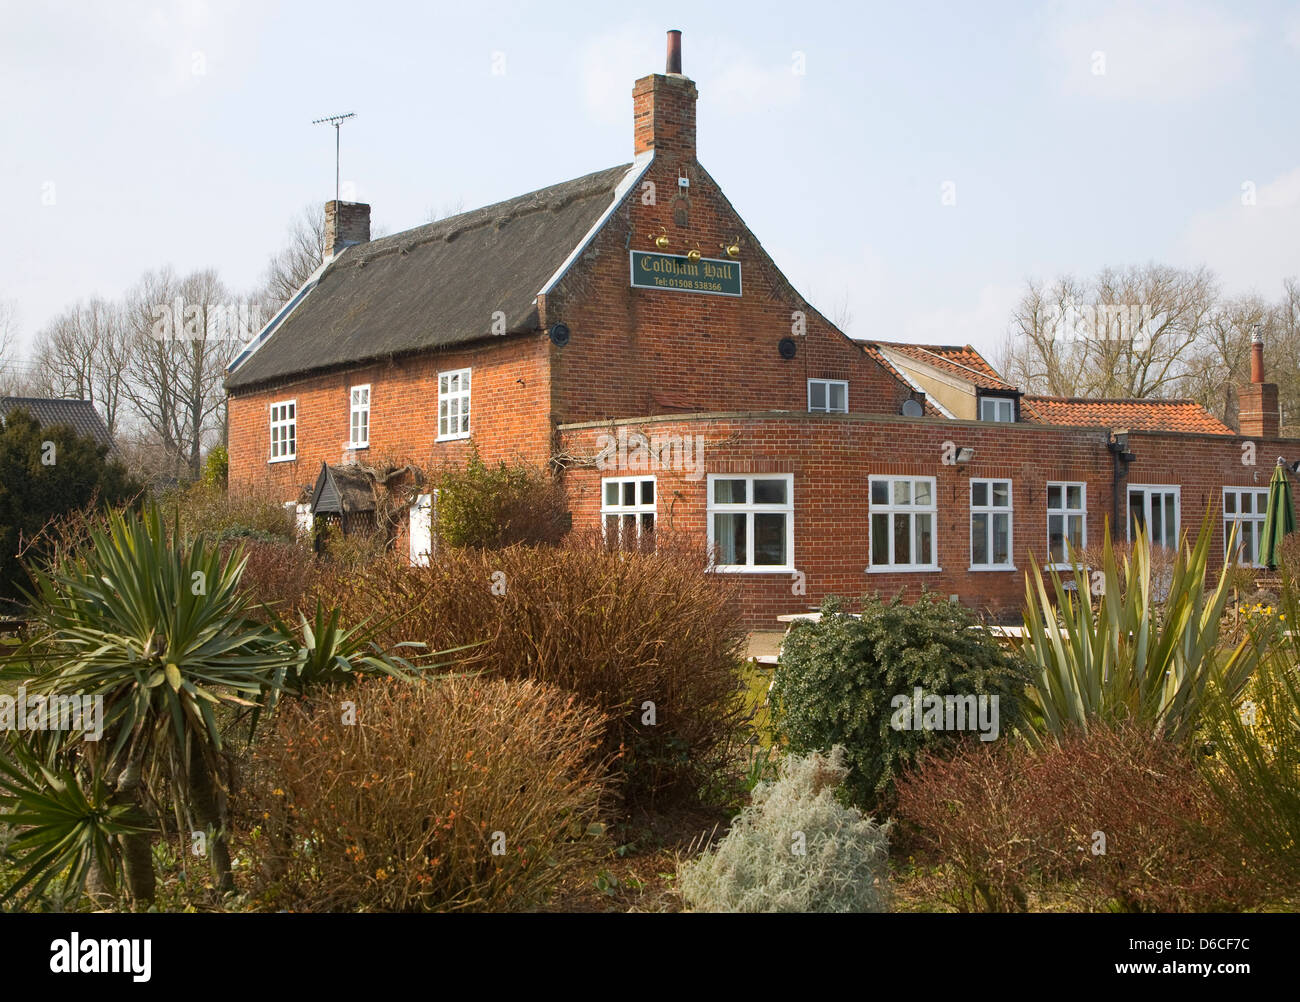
[{"x": 965, "y": 455}]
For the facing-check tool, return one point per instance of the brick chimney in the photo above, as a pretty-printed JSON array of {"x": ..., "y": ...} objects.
[
  {"x": 1258, "y": 415},
  {"x": 663, "y": 109},
  {"x": 346, "y": 224}
]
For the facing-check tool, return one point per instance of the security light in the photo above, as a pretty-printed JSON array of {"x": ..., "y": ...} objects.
[{"x": 965, "y": 455}]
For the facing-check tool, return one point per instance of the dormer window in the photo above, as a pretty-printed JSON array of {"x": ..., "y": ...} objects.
[{"x": 997, "y": 409}]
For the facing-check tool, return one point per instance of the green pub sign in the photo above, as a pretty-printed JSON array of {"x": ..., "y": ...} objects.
[{"x": 675, "y": 272}]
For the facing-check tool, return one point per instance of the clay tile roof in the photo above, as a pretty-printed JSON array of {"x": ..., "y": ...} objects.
[
  {"x": 874, "y": 353},
  {"x": 1137, "y": 415},
  {"x": 961, "y": 361}
]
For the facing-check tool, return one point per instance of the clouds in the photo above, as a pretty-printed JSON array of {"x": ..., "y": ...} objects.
[
  {"x": 1250, "y": 246},
  {"x": 1153, "y": 51}
]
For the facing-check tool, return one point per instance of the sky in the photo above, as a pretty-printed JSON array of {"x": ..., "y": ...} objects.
[{"x": 908, "y": 166}]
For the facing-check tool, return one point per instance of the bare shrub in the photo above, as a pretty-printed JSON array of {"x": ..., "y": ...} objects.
[
  {"x": 453, "y": 795},
  {"x": 1008, "y": 822},
  {"x": 646, "y": 637}
]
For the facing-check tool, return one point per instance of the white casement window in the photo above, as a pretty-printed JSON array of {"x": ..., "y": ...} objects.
[
  {"x": 751, "y": 522},
  {"x": 359, "y": 420},
  {"x": 990, "y": 525},
  {"x": 1067, "y": 521},
  {"x": 284, "y": 431},
  {"x": 1153, "y": 508},
  {"x": 830, "y": 396},
  {"x": 903, "y": 514},
  {"x": 421, "y": 529},
  {"x": 997, "y": 409},
  {"x": 1245, "y": 508},
  {"x": 453, "y": 404},
  {"x": 627, "y": 512}
]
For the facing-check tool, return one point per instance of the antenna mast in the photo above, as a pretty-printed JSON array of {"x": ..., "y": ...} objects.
[{"x": 336, "y": 121}]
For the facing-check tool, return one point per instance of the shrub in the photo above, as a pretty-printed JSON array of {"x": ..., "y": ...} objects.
[
  {"x": 795, "y": 849},
  {"x": 496, "y": 506},
  {"x": 1255, "y": 770},
  {"x": 401, "y": 811},
  {"x": 45, "y": 474},
  {"x": 1133, "y": 654},
  {"x": 838, "y": 679},
  {"x": 210, "y": 509},
  {"x": 647, "y": 638},
  {"x": 1007, "y": 821},
  {"x": 277, "y": 573}
]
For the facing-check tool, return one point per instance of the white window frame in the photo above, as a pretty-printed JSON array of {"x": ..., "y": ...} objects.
[
  {"x": 998, "y": 402},
  {"x": 1256, "y": 518},
  {"x": 288, "y": 425},
  {"x": 827, "y": 384},
  {"x": 893, "y": 510},
  {"x": 461, "y": 396},
  {"x": 637, "y": 509},
  {"x": 423, "y": 509},
  {"x": 1066, "y": 513},
  {"x": 354, "y": 410},
  {"x": 1147, "y": 490},
  {"x": 749, "y": 509},
  {"x": 993, "y": 510}
]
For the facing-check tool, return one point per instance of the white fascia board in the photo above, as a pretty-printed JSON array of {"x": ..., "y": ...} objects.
[
  {"x": 634, "y": 174},
  {"x": 265, "y": 333}
]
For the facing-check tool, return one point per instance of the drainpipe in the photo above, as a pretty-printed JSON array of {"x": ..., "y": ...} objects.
[{"x": 1120, "y": 458}]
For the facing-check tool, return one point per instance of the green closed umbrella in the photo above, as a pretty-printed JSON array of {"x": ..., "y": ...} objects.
[{"x": 1279, "y": 517}]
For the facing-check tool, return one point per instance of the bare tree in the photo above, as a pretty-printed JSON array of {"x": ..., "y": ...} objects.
[
  {"x": 1125, "y": 333},
  {"x": 180, "y": 343},
  {"x": 82, "y": 354},
  {"x": 13, "y": 377},
  {"x": 294, "y": 263}
]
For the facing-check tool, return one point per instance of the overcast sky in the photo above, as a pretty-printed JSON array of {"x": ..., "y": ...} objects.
[{"x": 134, "y": 135}]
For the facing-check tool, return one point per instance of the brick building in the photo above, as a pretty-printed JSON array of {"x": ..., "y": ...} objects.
[{"x": 628, "y": 329}]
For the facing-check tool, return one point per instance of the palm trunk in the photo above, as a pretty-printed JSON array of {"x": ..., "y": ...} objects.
[
  {"x": 208, "y": 803},
  {"x": 137, "y": 850}
]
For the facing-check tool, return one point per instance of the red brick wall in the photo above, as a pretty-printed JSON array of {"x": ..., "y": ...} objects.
[
  {"x": 643, "y": 352},
  {"x": 833, "y": 457},
  {"x": 508, "y": 404}
]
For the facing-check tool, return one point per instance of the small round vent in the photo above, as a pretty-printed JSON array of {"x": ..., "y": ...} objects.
[
  {"x": 559, "y": 335},
  {"x": 912, "y": 408},
  {"x": 787, "y": 347}
]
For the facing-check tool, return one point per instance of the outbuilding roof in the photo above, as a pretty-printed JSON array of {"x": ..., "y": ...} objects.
[{"x": 80, "y": 414}]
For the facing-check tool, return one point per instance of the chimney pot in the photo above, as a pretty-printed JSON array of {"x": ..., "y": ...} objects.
[
  {"x": 674, "y": 52},
  {"x": 1257, "y": 355}
]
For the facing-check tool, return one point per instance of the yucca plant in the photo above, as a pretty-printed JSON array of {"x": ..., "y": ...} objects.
[
  {"x": 1255, "y": 771},
  {"x": 157, "y": 629},
  {"x": 63, "y": 828},
  {"x": 1132, "y": 655}
]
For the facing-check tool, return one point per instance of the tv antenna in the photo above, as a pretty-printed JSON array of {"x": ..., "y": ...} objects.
[{"x": 336, "y": 121}]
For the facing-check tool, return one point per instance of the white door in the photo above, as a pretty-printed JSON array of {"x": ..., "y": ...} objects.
[{"x": 421, "y": 530}]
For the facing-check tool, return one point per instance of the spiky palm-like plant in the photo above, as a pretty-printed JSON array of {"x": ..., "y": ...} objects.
[{"x": 1126, "y": 654}]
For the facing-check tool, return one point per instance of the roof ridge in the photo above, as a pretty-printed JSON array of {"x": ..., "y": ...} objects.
[
  {"x": 451, "y": 227},
  {"x": 1114, "y": 400}
]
